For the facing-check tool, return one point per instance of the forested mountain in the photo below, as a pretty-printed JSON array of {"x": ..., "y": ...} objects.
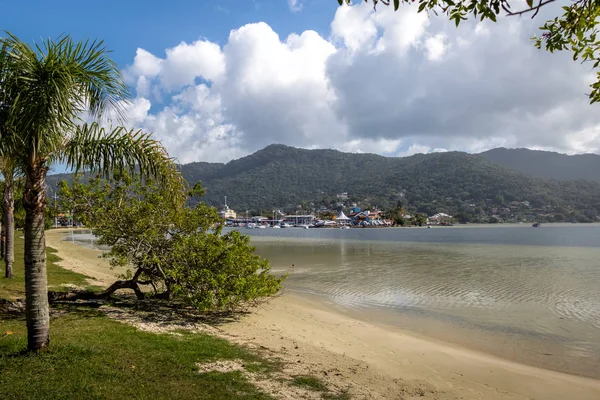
[
  {"x": 454, "y": 182},
  {"x": 546, "y": 164}
]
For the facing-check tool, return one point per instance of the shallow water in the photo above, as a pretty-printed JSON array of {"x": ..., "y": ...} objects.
[{"x": 525, "y": 294}]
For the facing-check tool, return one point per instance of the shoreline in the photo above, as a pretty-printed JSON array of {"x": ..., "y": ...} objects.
[{"x": 387, "y": 361}]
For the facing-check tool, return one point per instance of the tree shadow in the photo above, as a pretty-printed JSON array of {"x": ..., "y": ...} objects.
[
  {"x": 12, "y": 311},
  {"x": 162, "y": 312},
  {"x": 173, "y": 313}
]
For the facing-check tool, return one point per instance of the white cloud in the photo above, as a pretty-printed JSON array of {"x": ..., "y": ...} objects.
[
  {"x": 354, "y": 27},
  {"x": 145, "y": 64},
  {"x": 384, "y": 82},
  {"x": 186, "y": 62},
  {"x": 435, "y": 46},
  {"x": 419, "y": 149}
]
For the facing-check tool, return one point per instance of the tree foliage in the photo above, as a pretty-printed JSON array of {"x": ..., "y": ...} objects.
[
  {"x": 574, "y": 30},
  {"x": 177, "y": 250},
  {"x": 49, "y": 87},
  {"x": 419, "y": 219}
]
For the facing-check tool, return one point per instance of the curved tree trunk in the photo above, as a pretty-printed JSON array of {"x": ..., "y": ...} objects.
[
  {"x": 36, "y": 281},
  {"x": 132, "y": 284},
  {"x": 8, "y": 225}
]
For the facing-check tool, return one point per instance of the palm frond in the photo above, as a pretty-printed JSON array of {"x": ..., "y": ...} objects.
[
  {"x": 94, "y": 149},
  {"x": 10, "y": 170},
  {"x": 9, "y": 143},
  {"x": 57, "y": 82},
  {"x": 102, "y": 84}
]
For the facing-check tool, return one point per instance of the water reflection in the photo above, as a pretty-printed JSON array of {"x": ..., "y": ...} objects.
[{"x": 521, "y": 302}]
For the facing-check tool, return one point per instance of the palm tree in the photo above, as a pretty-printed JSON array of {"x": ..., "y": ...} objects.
[
  {"x": 55, "y": 84},
  {"x": 7, "y": 169}
]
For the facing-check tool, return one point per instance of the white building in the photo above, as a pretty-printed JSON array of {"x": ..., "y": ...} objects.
[
  {"x": 227, "y": 213},
  {"x": 440, "y": 218}
]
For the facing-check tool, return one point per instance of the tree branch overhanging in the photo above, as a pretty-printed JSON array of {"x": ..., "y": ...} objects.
[{"x": 534, "y": 9}]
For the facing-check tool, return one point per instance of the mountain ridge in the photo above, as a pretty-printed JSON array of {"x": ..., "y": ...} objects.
[
  {"x": 285, "y": 177},
  {"x": 547, "y": 164}
]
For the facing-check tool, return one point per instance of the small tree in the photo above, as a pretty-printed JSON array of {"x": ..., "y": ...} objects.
[
  {"x": 419, "y": 219},
  {"x": 179, "y": 251}
]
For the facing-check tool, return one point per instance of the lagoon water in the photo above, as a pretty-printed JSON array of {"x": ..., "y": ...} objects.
[
  {"x": 524, "y": 294},
  {"x": 530, "y": 295}
]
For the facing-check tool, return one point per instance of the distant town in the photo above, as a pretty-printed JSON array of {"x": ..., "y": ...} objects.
[{"x": 345, "y": 211}]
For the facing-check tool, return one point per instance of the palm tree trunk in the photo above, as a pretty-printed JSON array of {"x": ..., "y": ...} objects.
[
  {"x": 36, "y": 282},
  {"x": 8, "y": 225},
  {"x": 2, "y": 237}
]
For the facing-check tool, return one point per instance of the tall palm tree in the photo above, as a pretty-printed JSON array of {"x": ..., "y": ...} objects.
[
  {"x": 7, "y": 168},
  {"x": 55, "y": 83}
]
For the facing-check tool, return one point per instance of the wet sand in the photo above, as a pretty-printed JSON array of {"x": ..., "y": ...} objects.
[{"x": 385, "y": 361}]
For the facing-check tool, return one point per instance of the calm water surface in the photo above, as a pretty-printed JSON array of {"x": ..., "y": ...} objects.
[
  {"x": 530, "y": 295},
  {"x": 526, "y": 294}
]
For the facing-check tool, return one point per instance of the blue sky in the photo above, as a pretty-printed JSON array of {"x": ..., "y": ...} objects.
[
  {"x": 218, "y": 80},
  {"x": 156, "y": 25}
]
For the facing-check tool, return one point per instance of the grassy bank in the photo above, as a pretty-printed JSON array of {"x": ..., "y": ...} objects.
[
  {"x": 94, "y": 357},
  {"x": 59, "y": 279}
]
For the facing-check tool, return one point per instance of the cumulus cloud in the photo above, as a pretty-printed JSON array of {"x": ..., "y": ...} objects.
[{"x": 380, "y": 82}]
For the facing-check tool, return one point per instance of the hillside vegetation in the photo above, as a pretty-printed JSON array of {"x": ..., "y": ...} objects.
[
  {"x": 546, "y": 164},
  {"x": 285, "y": 177}
]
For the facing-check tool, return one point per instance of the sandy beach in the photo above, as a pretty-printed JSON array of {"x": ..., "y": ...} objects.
[{"x": 375, "y": 361}]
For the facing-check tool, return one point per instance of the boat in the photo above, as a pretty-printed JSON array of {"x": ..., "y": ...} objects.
[
  {"x": 536, "y": 225},
  {"x": 305, "y": 226},
  {"x": 286, "y": 225},
  {"x": 276, "y": 226},
  {"x": 250, "y": 225},
  {"x": 261, "y": 227},
  {"x": 344, "y": 227}
]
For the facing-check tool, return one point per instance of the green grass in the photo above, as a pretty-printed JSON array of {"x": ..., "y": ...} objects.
[
  {"x": 57, "y": 277},
  {"x": 309, "y": 382},
  {"x": 341, "y": 396},
  {"x": 93, "y": 357}
]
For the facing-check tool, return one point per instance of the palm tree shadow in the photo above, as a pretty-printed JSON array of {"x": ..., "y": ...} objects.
[{"x": 11, "y": 311}]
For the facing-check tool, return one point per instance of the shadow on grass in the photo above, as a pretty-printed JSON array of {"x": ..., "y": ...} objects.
[
  {"x": 11, "y": 311},
  {"x": 161, "y": 311},
  {"x": 149, "y": 310},
  {"x": 152, "y": 311}
]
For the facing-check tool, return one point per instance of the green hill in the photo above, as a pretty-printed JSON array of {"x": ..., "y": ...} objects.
[
  {"x": 546, "y": 164},
  {"x": 285, "y": 177}
]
